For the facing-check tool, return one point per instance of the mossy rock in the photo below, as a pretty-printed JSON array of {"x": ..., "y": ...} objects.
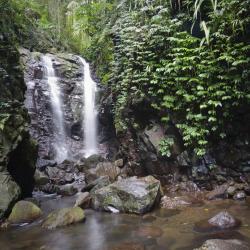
[
  {"x": 9, "y": 191},
  {"x": 131, "y": 195},
  {"x": 64, "y": 217},
  {"x": 40, "y": 178},
  {"x": 23, "y": 212}
]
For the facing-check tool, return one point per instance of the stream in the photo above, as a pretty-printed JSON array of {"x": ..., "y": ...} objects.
[{"x": 161, "y": 229}]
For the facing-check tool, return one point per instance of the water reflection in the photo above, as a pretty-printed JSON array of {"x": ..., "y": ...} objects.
[{"x": 169, "y": 230}]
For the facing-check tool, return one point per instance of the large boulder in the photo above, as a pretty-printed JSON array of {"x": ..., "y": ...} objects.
[
  {"x": 131, "y": 195},
  {"x": 9, "y": 191},
  {"x": 24, "y": 212},
  {"x": 218, "y": 244},
  {"x": 63, "y": 217}
]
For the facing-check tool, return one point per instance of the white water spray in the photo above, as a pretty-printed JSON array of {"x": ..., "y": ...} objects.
[
  {"x": 60, "y": 146},
  {"x": 89, "y": 111}
]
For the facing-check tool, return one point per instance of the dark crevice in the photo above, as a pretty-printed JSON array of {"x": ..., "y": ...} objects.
[{"x": 21, "y": 166}]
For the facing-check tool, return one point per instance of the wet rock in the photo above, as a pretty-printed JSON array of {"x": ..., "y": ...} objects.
[
  {"x": 174, "y": 202},
  {"x": 148, "y": 218},
  {"x": 92, "y": 161},
  {"x": 97, "y": 184},
  {"x": 129, "y": 246},
  {"x": 149, "y": 232},
  {"x": 40, "y": 178},
  {"x": 183, "y": 159},
  {"x": 83, "y": 200},
  {"x": 63, "y": 217},
  {"x": 240, "y": 196},
  {"x": 89, "y": 178},
  {"x": 247, "y": 189},
  {"x": 59, "y": 176},
  {"x": 119, "y": 163},
  {"x": 17, "y": 157},
  {"x": 9, "y": 191},
  {"x": 106, "y": 169},
  {"x": 218, "y": 244},
  {"x": 219, "y": 192},
  {"x": 231, "y": 190},
  {"x": 43, "y": 163},
  {"x": 153, "y": 136},
  {"x": 131, "y": 195},
  {"x": 224, "y": 220},
  {"x": 24, "y": 212},
  {"x": 49, "y": 188},
  {"x": 188, "y": 186},
  {"x": 67, "y": 190},
  {"x": 220, "y": 222},
  {"x": 38, "y": 72}
]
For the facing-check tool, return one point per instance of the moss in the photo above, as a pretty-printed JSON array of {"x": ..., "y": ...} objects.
[
  {"x": 24, "y": 211},
  {"x": 64, "y": 217}
]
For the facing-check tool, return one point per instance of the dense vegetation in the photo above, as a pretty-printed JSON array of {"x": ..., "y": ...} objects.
[{"x": 188, "y": 60}]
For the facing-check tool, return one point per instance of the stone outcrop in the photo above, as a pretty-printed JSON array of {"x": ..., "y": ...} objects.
[
  {"x": 10, "y": 192},
  {"x": 17, "y": 150},
  {"x": 131, "y": 195}
]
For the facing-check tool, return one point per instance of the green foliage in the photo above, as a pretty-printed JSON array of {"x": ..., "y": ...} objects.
[
  {"x": 188, "y": 59},
  {"x": 165, "y": 146},
  {"x": 200, "y": 82}
]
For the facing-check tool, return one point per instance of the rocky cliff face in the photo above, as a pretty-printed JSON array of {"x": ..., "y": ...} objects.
[
  {"x": 17, "y": 150},
  {"x": 70, "y": 74},
  {"x": 139, "y": 146}
]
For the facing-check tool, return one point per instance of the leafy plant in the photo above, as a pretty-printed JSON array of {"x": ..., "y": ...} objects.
[{"x": 165, "y": 146}]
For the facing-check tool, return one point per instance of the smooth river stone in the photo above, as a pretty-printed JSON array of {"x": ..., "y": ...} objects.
[{"x": 64, "y": 217}]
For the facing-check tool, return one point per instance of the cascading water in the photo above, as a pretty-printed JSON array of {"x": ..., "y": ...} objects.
[
  {"x": 60, "y": 146},
  {"x": 89, "y": 111}
]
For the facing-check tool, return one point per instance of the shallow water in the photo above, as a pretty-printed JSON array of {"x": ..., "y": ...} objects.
[{"x": 161, "y": 229}]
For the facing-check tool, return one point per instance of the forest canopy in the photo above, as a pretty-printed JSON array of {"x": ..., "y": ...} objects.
[{"x": 187, "y": 60}]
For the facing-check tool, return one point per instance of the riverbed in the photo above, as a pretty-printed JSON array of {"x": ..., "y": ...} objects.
[{"x": 162, "y": 229}]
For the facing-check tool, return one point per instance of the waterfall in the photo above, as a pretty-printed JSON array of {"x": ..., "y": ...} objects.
[
  {"x": 89, "y": 111},
  {"x": 60, "y": 146}
]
